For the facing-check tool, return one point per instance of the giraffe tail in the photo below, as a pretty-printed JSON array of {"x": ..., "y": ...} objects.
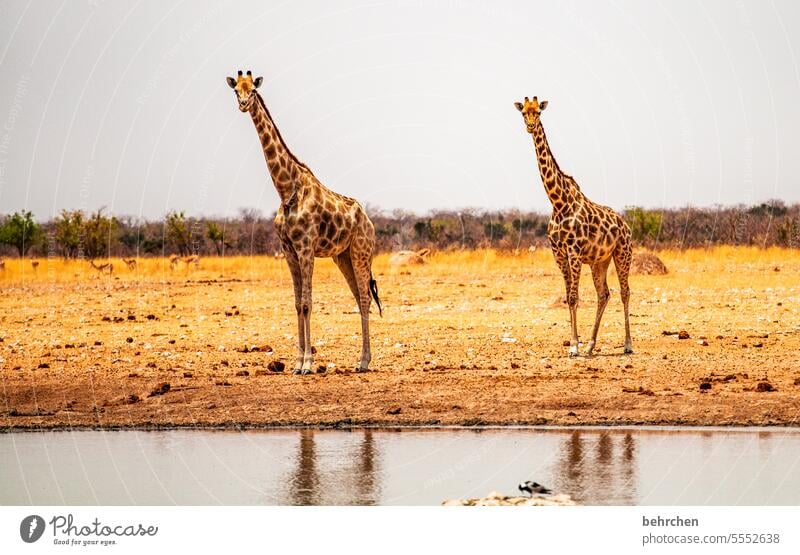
[{"x": 373, "y": 289}]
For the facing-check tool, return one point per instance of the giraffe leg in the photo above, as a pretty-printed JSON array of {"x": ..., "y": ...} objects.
[
  {"x": 297, "y": 281},
  {"x": 361, "y": 260},
  {"x": 622, "y": 261},
  {"x": 574, "y": 265},
  {"x": 563, "y": 264},
  {"x": 599, "y": 270},
  {"x": 345, "y": 264},
  {"x": 306, "y": 258}
]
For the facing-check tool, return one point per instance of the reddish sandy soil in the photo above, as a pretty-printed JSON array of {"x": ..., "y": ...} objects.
[{"x": 466, "y": 339}]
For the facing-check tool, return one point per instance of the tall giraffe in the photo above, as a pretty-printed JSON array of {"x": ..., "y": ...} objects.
[
  {"x": 312, "y": 221},
  {"x": 580, "y": 232}
]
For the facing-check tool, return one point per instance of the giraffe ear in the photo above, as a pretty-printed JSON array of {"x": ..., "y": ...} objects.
[
  {"x": 257, "y": 82},
  {"x": 542, "y": 105},
  {"x": 518, "y": 106},
  {"x": 231, "y": 82}
]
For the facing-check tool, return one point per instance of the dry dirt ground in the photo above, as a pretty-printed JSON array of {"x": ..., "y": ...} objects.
[{"x": 466, "y": 339}]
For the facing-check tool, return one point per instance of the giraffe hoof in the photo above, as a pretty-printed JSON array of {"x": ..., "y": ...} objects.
[
  {"x": 360, "y": 370},
  {"x": 628, "y": 350}
]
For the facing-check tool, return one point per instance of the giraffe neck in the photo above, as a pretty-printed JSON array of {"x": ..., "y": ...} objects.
[
  {"x": 558, "y": 186},
  {"x": 283, "y": 167}
]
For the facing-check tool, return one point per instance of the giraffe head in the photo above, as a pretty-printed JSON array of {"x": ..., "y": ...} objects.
[
  {"x": 531, "y": 109},
  {"x": 245, "y": 88}
]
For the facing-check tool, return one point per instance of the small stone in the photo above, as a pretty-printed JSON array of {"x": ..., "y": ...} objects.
[
  {"x": 187, "y": 374},
  {"x": 44, "y": 365},
  {"x": 98, "y": 343},
  {"x": 242, "y": 373},
  {"x": 160, "y": 389},
  {"x": 276, "y": 366},
  {"x": 764, "y": 387},
  {"x": 683, "y": 334},
  {"x": 705, "y": 385},
  {"x": 566, "y": 343},
  {"x": 129, "y": 339},
  {"x": 131, "y": 399},
  {"x": 395, "y": 410}
]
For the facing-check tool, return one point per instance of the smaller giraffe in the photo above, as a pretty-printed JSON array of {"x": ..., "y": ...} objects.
[{"x": 580, "y": 232}]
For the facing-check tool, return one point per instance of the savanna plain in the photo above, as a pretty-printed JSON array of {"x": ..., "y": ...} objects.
[{"x": 468, "y": 338}]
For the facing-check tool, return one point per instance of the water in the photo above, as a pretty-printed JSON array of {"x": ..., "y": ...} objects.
[{"x": 400, "y": 467}]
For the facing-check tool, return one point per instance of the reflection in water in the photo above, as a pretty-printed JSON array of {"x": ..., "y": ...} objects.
[
  {"x": 410, "y": 467},
  {"x": 355, "y": 478},
  {"x": 305, "y": 483},
  {"x": 587, "y": 470}
]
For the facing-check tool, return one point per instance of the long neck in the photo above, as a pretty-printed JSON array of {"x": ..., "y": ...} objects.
[
  {"x": 283, "y": 167},
  {"x": 556, "y": 183}
]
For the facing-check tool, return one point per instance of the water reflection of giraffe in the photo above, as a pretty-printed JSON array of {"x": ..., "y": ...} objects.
[
  {"x": 588, "y": 470},
  {"x": 355, "y": 481}
]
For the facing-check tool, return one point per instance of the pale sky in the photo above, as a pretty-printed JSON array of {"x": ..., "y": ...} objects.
[{"x": 405, "y": 104}]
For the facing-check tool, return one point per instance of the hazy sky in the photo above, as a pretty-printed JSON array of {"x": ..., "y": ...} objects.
[{"x": 405, "y": 104}]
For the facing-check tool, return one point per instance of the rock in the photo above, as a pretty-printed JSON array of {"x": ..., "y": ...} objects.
[
  {"x": 129, "y": 339},
  {"x": 160, "y": 389},
  {"x": 683, "y": 334},
  {"x": 764, "y": 387},
  {"x": 495, "y": 499},
  {"x": 187, "y": 374},
  {"x": 647, "y": 263},
  {"x": 408, "y": 258},
  {"x": 242, "y": 373},
  {"x": 276, "y": 366},
  {"x": 705, "y": 385},
  {"x": 394, "y": 410},
  {"x": 131, "y": 399}
]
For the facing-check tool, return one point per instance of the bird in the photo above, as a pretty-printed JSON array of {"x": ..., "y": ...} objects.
[{"x": 533, "y": 487}]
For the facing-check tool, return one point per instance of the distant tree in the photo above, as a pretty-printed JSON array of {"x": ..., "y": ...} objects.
[
  {"x": 21, "y": 231},
  {"x": 644, "y": 224},
  {"x": 217, "y": 236},
  {"x": 99, "y": 234},
  {"x": 68, "y": 229},
  {"x": 178, "y": 232}
]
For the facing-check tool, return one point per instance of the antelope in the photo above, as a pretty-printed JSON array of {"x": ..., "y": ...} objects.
[
  {"x": 107, "y": 268},
  {"x": 130, "y": 263}
]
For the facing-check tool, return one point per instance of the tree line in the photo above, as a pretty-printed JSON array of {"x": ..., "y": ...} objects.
[{"x": 96, "y": 235}]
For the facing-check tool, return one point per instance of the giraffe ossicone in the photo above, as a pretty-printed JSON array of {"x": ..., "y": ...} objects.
[
  {"x": 312, "y": 221},
  {"x": 580, "y": 232}
]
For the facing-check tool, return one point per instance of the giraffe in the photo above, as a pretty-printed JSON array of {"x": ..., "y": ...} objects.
[
  {"x": 312, "y": 221},
  {"x": 580, "y": 232}
]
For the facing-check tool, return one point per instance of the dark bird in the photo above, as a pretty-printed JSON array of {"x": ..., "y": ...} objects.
[{"x": 533, "y": 487}]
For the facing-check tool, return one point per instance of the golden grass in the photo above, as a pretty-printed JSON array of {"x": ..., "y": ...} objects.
[{"x": 58, "y": 270}]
